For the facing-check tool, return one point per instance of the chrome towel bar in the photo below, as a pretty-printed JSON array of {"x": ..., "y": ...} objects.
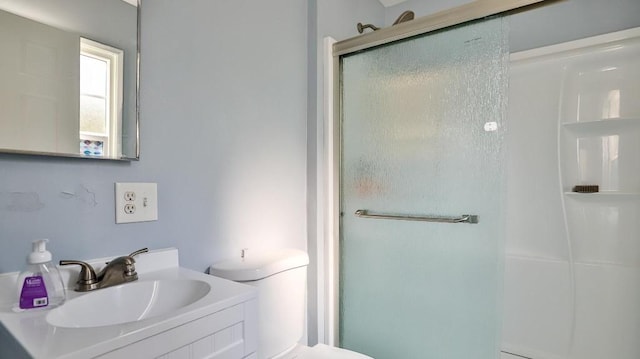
[{"x": 465, "y": 218}]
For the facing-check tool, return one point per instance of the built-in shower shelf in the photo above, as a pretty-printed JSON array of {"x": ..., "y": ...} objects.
[
  {"x": 602, "y": 127},
  {"x": 604, "y": 196}
]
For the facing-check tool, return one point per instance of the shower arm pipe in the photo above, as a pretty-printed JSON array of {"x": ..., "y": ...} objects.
[
  {"x": 465, "y": 218},
  {"x": 362, "y": 26},
  {"x": 468, "y": 12}
]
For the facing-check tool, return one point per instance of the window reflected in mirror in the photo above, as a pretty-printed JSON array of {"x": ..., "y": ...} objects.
[{"x": 100, "y": 98}]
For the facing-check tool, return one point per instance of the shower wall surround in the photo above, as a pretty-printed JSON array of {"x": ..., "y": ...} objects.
[{"x": 573, "y": 259}]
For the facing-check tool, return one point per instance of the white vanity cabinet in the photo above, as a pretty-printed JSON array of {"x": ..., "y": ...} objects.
[
  {"x": 227, "y": 334},
  {"x": 220, "y": 324}
]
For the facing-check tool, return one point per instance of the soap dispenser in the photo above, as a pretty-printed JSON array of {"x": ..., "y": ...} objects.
[{"x": 40, "y": 285}]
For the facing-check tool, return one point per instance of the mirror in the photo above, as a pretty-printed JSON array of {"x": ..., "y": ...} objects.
[{"x": 69, "y": 78}]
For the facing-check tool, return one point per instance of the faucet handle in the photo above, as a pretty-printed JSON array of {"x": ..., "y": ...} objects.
[
  {"x": 128, "y": 261},
  {"x": 87, "y": 278},
  {"x": 139, "y": 251}
]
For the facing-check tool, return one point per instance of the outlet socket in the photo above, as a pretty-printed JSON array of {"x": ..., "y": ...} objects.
[
  {"x": 136, "y": 202},
  {"x": 129, "y": 208},
  {"x": 129, "y": 196}
]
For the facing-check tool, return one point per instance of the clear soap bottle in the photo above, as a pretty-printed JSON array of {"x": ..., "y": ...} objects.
[{"x": 40, "y": 285}]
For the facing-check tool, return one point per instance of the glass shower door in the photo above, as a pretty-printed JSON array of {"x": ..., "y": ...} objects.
[{"x": 422, "y": 135}]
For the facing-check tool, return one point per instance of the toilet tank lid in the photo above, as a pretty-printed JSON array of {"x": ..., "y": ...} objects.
[{"x": 255, "y": 266}]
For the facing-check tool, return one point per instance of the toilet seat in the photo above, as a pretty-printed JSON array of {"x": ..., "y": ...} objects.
[{"x": 323, "y": 351}]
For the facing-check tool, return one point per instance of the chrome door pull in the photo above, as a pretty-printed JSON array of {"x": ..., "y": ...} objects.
[{"x": 465, "y": 218}]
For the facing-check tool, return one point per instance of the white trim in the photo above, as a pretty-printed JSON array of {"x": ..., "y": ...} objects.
[
  {"x": 327, "y": 275},
  {"x": 570, "y": 48},
  {"x": 132, "y": 2}
]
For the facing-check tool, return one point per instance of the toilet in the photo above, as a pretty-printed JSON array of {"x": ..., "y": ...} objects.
[{"x": 281, "y": 277}]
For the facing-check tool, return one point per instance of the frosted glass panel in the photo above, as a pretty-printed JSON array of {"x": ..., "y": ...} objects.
[{"x": 422, "y": 133}]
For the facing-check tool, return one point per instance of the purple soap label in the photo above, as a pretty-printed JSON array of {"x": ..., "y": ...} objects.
[{"x": 34, "y": 293}]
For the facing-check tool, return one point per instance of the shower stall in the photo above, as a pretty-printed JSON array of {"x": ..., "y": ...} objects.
[{"x": 453, "y": 233}]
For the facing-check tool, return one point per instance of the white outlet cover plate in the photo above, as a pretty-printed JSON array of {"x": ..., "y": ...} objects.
[{"x": 145, "y": 202}]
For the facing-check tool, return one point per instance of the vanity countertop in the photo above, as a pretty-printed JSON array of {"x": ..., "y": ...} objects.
[{"x": 28, "y": 334}]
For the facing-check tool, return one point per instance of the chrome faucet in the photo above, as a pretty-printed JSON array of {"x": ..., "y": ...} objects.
[{"x": 118, "y": 271}]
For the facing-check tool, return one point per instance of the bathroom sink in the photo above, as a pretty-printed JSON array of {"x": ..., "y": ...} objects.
[{"x": 126, "y": 303}]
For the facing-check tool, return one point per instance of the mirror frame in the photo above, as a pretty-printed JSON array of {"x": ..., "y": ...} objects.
[
  {"x": 124, "y": 157},
  {"x": 137, "y": 119}
]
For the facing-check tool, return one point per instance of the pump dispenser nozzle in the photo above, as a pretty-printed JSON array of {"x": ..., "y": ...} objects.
[{"x": 39, "y": 252}]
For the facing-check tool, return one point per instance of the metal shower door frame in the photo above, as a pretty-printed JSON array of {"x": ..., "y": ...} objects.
[{"x": 475, "y": 10}]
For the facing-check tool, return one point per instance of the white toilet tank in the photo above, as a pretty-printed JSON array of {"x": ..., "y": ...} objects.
[{"x": 281, "y": 278}]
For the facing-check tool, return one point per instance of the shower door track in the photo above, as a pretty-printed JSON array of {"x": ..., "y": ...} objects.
[{"x": 458, "y": 15}]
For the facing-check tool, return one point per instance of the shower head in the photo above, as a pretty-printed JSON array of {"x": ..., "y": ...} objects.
[
  {"x": 361, "y": 27},
  {"x": 405, "y": 16}
]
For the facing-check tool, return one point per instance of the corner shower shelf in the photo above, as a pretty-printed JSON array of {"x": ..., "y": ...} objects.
[
  {"x": 601, "y": 152},
  {"x": 604, "y": 196}
]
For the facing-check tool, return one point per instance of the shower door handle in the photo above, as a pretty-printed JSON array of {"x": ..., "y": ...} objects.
[{"x": 465, "y": 218}]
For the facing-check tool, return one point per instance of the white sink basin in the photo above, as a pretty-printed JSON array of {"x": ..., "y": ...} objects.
[{"x": 127, "y": 303}]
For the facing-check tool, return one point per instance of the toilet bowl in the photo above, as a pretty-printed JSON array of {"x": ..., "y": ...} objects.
[{"x": 281, "y": 277}]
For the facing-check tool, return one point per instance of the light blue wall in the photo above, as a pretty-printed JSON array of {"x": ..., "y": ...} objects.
[
  {"x": 223, "y": 116},
  {"x": 420, "y": 8}
]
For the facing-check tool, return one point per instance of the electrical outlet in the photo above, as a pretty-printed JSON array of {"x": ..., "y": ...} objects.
[
  {"x": 129, "y": 196},
  {"x": 136, "y": 202}
]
